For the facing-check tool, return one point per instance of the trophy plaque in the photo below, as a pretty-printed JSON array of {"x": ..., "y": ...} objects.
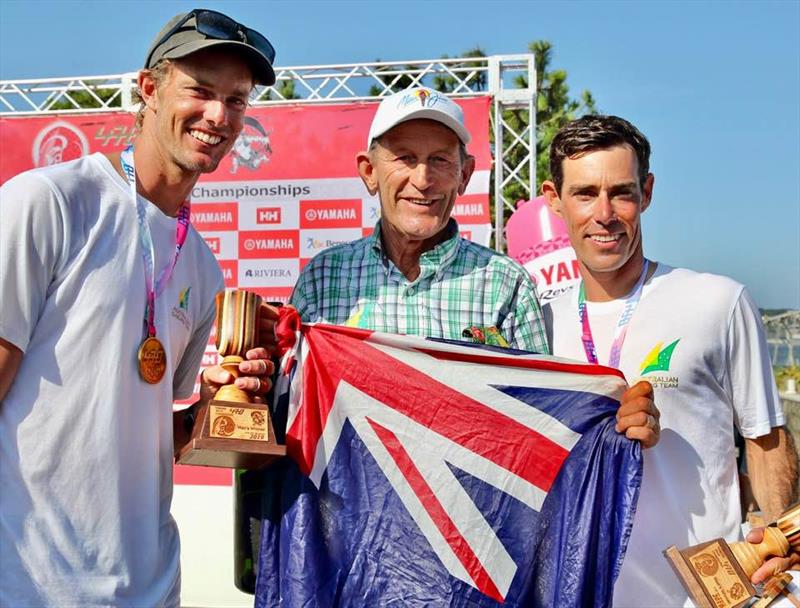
[
  {"x": 230, "y": 430},
  {"x": 717, "y": 574}
]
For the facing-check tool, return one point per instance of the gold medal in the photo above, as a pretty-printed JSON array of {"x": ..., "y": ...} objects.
[{"x": 152, "y": 360}]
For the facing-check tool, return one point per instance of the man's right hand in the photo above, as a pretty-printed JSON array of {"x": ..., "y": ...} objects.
[{"x": 638, "y": 416}]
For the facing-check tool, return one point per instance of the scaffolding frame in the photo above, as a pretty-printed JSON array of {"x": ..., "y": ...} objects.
[{"x": 495, "y": 76}]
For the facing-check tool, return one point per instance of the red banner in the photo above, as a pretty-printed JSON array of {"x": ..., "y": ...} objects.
[{"x": 288, "y": 190}]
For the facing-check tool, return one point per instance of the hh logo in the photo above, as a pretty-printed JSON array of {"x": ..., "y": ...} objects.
[
  {"x": 213, "y": 244},
  {"x": 268, "y": 215},
  {"x": 344, "y": 213}
]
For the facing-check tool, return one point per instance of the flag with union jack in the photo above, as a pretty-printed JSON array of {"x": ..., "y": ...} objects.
[{"x": 432, "y": 473}]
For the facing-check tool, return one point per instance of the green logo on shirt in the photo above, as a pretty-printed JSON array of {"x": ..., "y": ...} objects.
[
  {"x": 183, "y": 299},
  {"x": 658, "y": 359}
]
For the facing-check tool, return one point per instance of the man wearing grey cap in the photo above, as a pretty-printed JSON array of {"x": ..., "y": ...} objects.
[
  {"x": 415, "y": 274},
  {"x": 106, "y": 304}
]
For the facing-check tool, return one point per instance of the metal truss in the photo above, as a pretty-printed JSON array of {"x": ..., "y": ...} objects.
[{"x": 514, "y": 149}]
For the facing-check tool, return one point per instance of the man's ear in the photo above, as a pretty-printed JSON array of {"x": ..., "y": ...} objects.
[
  {"x": 367, "y": 171},
  {"x": 467, "y": 169},
  {"x": 647, "y": 191},
  {"x": 551, "y": 195},
  {"x": 147, "y": 89}
]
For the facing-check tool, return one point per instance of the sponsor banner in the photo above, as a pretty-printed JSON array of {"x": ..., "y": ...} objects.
[
  {"x": 370, "y": 211},
  {"x": 213, "y": 217},
  {"x": 480, "y": 233},
  {"x": 342, "y": 213},
  {"x": 288, "y": 189},
  {"x": 472, "y": 209},
  {"x": 268, "y": 273},
  {"x": 222, "y": 244},
  {"x": 275, "y": 295},
  {"x": 261, "y": 244},
  {"x": 554, "y": 273},
  {"x": 230, "y": 272},
  {"x": 538, "y": 240},
  {"x": 314, "y": 241}
]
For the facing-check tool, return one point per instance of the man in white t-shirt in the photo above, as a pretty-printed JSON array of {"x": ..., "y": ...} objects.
[
  {"x": 106, "y": 304},
  {"x": 697, "y": 338}
]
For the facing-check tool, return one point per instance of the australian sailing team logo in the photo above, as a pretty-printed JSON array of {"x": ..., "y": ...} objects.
[
  {"x": 181, "y": 311},
  {"x": 659, "y": 360}
]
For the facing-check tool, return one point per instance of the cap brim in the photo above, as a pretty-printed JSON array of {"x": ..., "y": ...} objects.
[
  {"x": 431, "y": 114},
  {"x": 262, "y": 69}
]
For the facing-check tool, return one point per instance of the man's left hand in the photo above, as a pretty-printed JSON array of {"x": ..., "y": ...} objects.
[
  {"x": 774, "y": 565},
  {"x": 254, "y": 376},
  {"x": 637, "y": 416}
]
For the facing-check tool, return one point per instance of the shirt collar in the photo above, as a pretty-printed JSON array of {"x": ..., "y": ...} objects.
[{"x": 431, "y": 261}]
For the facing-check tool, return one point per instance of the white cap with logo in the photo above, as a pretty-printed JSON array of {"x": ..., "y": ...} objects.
[{"x": 419, "y": 102}]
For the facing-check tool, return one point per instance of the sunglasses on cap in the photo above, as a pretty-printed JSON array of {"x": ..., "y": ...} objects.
[{"x": 219, "y": 27}]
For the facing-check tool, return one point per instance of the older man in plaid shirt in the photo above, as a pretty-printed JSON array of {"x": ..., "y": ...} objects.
[{"x": 415, "y": 274}]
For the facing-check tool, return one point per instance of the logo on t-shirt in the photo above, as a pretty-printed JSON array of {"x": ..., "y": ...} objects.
[
  {"x": 183, "y": 299},
  {"x": 658, "y": 360},
  {"x": 180, "y": 312}
]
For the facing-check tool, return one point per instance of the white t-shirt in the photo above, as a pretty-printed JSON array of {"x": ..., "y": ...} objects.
[
  {"x": 698, "y": 339},
  {"x": 85, "y": 444}
]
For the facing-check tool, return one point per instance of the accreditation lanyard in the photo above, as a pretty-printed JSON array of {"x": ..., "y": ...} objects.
[
  {"x": 148, "y": 254},
  {"x": 622, "y": 325}
]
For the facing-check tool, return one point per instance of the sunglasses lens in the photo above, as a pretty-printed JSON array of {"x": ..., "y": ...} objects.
[
  {"x": 261, "y": 43},
  {"x": 216, "y": 25},
  {"x": 219, "y": 26}
]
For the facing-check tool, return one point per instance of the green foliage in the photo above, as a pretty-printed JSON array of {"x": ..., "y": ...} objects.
[
  {"x": 285, "y": 90},
  {"x": 86, "y": 100},
  {"x": 448, "y": 84},
  {"x": 782, "y": 374},
  {"x": 394, "y": 82},
  {"x": 554, "y": 109}
]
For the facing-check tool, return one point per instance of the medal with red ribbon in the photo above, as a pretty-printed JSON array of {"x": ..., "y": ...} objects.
[{"x": 152, "y": 356}]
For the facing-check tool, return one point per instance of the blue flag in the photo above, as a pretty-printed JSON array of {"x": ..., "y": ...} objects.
[{"x": 434, "y": 473}]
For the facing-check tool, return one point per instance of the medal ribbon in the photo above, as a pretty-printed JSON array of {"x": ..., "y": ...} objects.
[
  {"x": 148, "y": 256},
  {"x": 631, "y": 302}
]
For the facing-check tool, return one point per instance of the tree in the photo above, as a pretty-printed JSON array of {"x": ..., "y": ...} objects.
[
  {"x": 476, "y": 81},
  {"x": 84, "y": 99},
  {"x": 554, "y": 106},
  {"x": 393, "y": 82},
  {"x": 284, "y": 89}
]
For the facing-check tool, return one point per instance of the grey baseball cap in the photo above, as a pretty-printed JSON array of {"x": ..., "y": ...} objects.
[{"x": 199, "y": 29}]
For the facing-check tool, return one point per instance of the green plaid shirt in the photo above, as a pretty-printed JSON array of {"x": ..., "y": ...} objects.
[{"x": 460, "y": 284}]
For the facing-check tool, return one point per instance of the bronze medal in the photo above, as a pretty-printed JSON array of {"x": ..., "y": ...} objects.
[{"x": 152, "y": 360}]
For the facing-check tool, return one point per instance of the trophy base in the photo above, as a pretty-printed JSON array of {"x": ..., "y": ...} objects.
[
  {"x": 711, "y": 575},
  {"x": 231, "y": 435}
]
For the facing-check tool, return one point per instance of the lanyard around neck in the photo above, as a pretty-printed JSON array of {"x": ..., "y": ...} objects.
[
  {"x": 146, "y": 240},
  {"x": 631, "y": 301}
]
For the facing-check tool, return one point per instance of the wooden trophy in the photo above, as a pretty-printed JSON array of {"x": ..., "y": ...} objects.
[
  {"x": 717, "y": 574},
  {"x": 230, "y": 430}
]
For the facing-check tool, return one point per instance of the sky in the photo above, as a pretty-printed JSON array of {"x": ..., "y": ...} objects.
[{"x": 715, "y": 86}]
